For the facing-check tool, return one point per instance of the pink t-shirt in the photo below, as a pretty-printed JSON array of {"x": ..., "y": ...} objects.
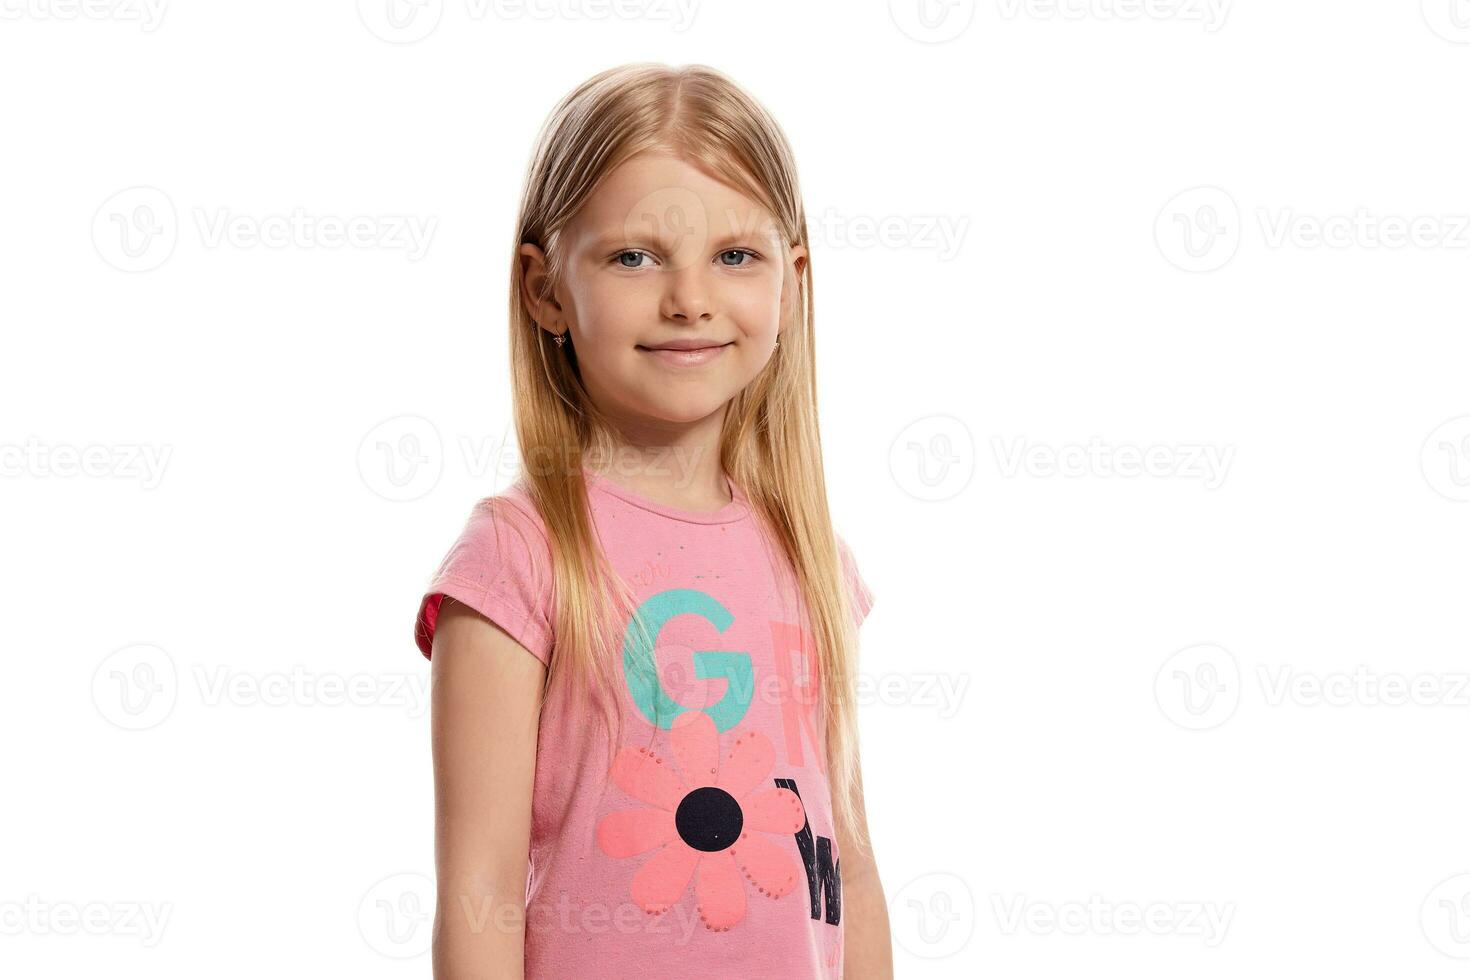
[{"x": 711, "y": 851}]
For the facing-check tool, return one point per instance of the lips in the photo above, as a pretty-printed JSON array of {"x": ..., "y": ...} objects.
[
  {"x": 697, "y": 343},
  {"x": 682, "y": 356}
]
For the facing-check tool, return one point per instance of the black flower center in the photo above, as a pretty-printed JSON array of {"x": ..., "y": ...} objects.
[{"x": 709, "y": 819}]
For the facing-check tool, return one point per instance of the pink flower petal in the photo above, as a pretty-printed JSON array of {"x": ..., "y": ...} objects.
[
  {"x": 696, "y": 747},
  {"x": 643, "y": 776},
  {"x": 776, "y": 811},
  {"x": 629, "y": 832},
  {"x": 770, "y": 869},
  {"x": 749, "y": 763},
  {"x": 664, "y": 878},
  {"x": 719, "y": 892}
]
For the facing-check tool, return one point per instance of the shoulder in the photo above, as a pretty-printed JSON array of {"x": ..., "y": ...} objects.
[{"x": 500, "y": 566}]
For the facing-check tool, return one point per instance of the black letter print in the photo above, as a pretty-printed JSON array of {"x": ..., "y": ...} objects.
[{"x": 821, "y": 870}]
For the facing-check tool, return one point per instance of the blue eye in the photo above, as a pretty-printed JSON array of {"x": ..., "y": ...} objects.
[
  {"x": 633, "y": 252},
  {"x": 738, "y": 251}
]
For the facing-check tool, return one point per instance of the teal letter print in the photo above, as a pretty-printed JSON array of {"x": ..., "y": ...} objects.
[{"x": 640, "y": 669}]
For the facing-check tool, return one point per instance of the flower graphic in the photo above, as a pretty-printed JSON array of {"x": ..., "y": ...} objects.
[{"x": 710, "y": 825}]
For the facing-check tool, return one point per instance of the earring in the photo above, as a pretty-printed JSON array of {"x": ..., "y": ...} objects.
[{"x": 561, "y": 338}]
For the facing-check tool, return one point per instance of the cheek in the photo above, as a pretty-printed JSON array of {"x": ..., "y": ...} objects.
[
  {"x": 756, "y": 308},
  {"x": 611, "y": 313}
]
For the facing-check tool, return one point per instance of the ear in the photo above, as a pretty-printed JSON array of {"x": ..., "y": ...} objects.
[
  {"x": 791, "y": 280},
  {"x": 798, "y": 260},
  {"x": 546, "y": 311}
]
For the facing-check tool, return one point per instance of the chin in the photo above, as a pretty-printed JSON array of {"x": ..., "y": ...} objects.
[{"x": 684, "y": 411}]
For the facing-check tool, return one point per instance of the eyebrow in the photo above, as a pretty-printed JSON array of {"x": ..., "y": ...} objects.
[{"x": 608, "y": 242}]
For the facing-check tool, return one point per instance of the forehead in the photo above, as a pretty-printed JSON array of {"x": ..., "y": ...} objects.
[{"x": 655, "y": 193}]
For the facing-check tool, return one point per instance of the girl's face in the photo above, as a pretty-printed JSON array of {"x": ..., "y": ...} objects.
[{"x": 663, "y": 255}]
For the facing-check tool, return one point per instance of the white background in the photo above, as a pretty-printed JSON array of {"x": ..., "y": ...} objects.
[{"x": 1224, "y": 698}]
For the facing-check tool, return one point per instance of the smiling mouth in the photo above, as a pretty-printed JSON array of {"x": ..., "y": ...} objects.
[{"x": 676, "y": 357}]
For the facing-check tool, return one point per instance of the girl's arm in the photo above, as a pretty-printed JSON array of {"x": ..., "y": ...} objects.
[
  {"x": 486, "y": 701},
  {"x": 867, "y": 946}
]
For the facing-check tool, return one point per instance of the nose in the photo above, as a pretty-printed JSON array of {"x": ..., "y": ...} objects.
[{"x": 687, "y": 298}]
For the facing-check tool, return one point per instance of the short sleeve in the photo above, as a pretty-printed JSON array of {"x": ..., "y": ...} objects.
[
  {"x": 500, "y": 566},
  {"x": 862, "y": 596}
]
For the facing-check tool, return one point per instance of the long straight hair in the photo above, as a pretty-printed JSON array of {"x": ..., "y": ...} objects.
[{"x": 769, "y": 444}]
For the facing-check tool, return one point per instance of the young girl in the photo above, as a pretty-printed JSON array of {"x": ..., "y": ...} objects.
[{"x": 644, "y": 652}]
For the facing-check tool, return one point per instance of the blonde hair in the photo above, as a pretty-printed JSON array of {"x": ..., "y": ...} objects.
[{"x": 769, "y": 444}]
